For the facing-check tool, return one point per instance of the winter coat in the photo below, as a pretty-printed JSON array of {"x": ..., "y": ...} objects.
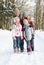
[{"x": 17, "y": 30}]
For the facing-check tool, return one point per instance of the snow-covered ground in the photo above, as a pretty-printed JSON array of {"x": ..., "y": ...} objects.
[{"x": 7, "y": 57}]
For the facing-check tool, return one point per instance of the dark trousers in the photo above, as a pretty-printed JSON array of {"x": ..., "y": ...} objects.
[
  {"x": 22, "y": 45},
  {"x": 32, "y": 44}
]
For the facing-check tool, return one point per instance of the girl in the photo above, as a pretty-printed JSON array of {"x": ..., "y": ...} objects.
[{"x": 17, "y": 34}]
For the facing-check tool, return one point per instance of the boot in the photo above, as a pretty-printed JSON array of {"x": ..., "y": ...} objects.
[
  {"x": 18, "y": 50},
  {"x": 14, "y": 50}
]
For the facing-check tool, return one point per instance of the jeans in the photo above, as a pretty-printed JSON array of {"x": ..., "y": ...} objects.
[
  {"x": 27, "y": 32},
  {"x": 16, "y": 43},
  {"x": 28, "y": 45}
]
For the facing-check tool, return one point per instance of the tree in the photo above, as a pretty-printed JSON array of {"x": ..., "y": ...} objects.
[
  {"x": 22, "y": 4},
  {"x": 42, "y": 14},
  {"x": 6, "y": 11},
  {"x": 38, "y": 14}
]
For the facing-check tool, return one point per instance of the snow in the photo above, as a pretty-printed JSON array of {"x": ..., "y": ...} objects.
[
  {"x": 5, "y": 40},
  {"x": 7, "y": 56}
]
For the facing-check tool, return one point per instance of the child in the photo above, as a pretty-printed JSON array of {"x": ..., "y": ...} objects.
[
  {"x": 32, "y": 40},
  {"x": 31, "y": 22},
  {"x": 28, "y": 34},
  {"x": 17, "y": 34}
]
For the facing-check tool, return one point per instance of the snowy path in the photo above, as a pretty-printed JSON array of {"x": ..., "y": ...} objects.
[{"x": 7, "y": 57}]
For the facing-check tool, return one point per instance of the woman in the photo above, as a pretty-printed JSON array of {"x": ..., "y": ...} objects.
[{"x": 24, "y": 15}]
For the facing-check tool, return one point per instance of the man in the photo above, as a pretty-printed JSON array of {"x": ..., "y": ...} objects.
[{"x": 17, "y": 14}]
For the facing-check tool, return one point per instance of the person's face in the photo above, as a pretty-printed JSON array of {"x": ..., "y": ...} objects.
[
  {"x": 28, "y": 18},
  {"x": 25, "y": 15},
  {"x": 17, "y": 13}
]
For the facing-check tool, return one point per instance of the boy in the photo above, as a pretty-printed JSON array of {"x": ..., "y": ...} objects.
[{"x": 28, "y": 33}]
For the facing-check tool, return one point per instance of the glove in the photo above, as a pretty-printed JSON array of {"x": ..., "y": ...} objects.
[{"x": 32, "y": 36}]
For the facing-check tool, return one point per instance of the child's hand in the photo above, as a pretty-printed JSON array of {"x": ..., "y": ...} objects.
[
  {"x": 21, "y": 37},
  {"x": 14, "y": 38}
]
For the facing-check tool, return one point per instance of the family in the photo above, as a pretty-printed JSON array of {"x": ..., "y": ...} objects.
[{"x": 22, "y": 29}]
